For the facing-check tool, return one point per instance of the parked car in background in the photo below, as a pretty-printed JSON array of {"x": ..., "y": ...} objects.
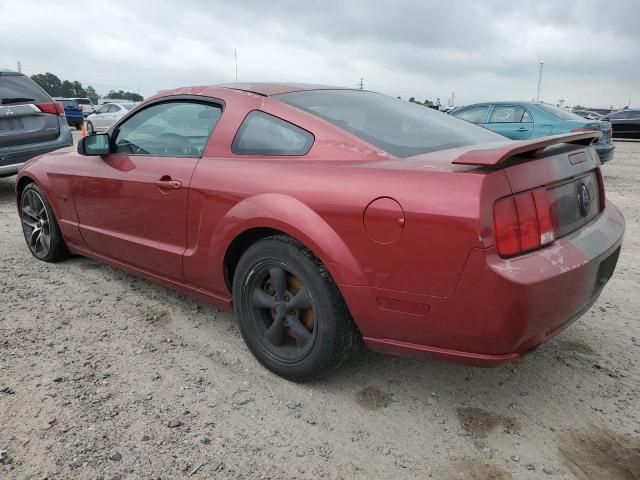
[
  {"x": 588, "y": 114},
  {"x": 625, "y": 123},
  {"x": 106, "y": 115},
  {"x": 328, "y": 216},
  {"x": 72, "y": 111},
  {"x": 86, "y": 105},
  {"x": 31, "y": 123},
  {"x": 525, "y": 120}
]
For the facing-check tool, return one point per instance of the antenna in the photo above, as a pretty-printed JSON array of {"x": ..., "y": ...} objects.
[
  {"x": 539, "y": 82},
  {"x": 235, "y": 55}
]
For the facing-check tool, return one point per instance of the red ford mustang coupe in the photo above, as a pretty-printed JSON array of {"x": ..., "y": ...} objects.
[{"x": 327, "y": 216}]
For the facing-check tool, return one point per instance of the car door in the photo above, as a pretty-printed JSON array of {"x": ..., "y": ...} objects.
[
  {"x": 98, "y": 119},
  {"x": 512, "y": 121},
  {"x": 132, "y": 203}
]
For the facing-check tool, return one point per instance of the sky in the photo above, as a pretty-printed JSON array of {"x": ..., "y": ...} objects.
[{"x": 481, "y": 50}]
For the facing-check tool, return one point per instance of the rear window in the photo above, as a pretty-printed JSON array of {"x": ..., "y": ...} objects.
[
  {"x": 68, "y": 103},
  {"x": 264, "y": 134},
  {"x": 400, "y": 128},
  {"x": 16, "y": 89},
  {"x": 83, "y": 101},
  {"x": 128, "y": 106},
  {"x": 558, "y": 112}
]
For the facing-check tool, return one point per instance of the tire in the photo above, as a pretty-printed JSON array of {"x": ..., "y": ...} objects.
[
  {"x": 38, "y": 219},
  {"x": 331, "y": 335},
  {"x": 90, "y": 130}
]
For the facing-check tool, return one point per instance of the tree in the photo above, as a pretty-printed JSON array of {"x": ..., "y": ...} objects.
[
  {"x": 122, "y": 95},
  {"x": 49, "y": 83},
  {"x": 412, "y": 100},
  {"x": 92, "y": 94}
]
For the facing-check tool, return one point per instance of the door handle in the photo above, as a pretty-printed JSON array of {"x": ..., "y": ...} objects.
[
  {"x": 168, "y": 184},
  {"x": 522, "y": 129}
]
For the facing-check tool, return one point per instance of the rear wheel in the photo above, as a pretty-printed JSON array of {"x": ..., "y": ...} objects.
[
  {"x": 290, "y": 311},
  {"x": 39, "y": 225}
]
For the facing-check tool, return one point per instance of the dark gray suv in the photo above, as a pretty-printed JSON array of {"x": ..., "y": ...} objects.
[{"x": 31, "y": 123}]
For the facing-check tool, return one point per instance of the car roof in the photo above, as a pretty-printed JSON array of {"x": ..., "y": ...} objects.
[
  {"x": 274, "y": 88},
  {"x": 4, "y": 71}
]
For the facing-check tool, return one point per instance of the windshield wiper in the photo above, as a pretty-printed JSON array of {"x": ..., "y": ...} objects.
[{"x": 7, "y": 101}]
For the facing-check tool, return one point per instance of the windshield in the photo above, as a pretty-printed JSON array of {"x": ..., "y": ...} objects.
[
  {"x": 558, "y": 112},
  {"x": 20, "y": 89},
  {"x": 83, "y": 101},
  {"x": 398, "y": 127},
  {"x": 68, "y": 103}
]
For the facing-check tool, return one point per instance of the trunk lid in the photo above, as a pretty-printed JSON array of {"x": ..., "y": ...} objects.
[{"x": 564, "y": 166}]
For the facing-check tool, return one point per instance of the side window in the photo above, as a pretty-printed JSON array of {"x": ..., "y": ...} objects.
[
  {"x": 113, "y": 109},
  {"x": 264, "y": 134},
  {"x": 508, "y": 114},
  {"x": 526, "y": 117},
  {"x": 474, "y": 114},
  {"x": 103, "y": 109},
  {"x": 171, "y": 129}
]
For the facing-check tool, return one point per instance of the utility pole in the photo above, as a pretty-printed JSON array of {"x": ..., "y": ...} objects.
[
  {"x": 453, "y": 99},
  {"x": 539, "y": 82},
  {"x": 235, "y": 56},
  {"x": 19, "y": 67},
  {"x": 361, "y": 84}
]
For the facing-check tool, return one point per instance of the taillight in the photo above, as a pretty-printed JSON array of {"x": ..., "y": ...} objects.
[
  {"x": 54, "y": 108},
  {"x": 603, "y": 197},
  {"x": 523, "y": 222}
]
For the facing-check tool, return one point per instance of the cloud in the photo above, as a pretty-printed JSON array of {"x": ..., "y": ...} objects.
[{"x": 481, "y": 50}]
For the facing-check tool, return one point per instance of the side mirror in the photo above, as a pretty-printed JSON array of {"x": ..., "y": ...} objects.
[{"x": 98, "y": 144}]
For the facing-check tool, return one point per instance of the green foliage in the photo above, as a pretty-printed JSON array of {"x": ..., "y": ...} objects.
[
  {"x": 122, "y": 95},
  {"x": 55, "y": 87}
]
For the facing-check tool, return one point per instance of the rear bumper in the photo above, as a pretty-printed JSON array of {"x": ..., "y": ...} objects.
[
  {"x": 75, "y": 120},
  {"x": 605, "y": 151},
  {"x": 12, "y": 158},
  {"x": 502, "y": 308}
]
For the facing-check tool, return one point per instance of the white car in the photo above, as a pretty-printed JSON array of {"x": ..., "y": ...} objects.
[
  {"x": 86, "y": 105},
  {"x": 107, "y": 115}
]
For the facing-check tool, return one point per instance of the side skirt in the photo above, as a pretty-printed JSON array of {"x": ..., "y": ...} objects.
[{"x": 223, "y": 302}]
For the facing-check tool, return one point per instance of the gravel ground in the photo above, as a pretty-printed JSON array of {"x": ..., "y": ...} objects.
[{"x": 107, "y": 376}]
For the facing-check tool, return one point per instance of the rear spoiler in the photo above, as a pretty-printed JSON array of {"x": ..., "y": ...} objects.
[{"x": 494, "y": 156}]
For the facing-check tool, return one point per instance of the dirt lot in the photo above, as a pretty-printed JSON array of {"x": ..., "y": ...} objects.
[{"x": 107, "y": 376}]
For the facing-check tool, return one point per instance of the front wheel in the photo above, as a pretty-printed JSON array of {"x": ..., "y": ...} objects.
[
  {"x": 291, "y": 313},
  {"x": 39, "y": 225}
]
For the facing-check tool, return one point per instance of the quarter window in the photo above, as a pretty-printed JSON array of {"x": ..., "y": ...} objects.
[
  {"x": 474, "y": 114},
  {"x": 171, "y": 129},
  {"x": 264, "y": 134}
]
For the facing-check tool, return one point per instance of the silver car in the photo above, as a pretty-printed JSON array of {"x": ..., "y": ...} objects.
[{"x": 107, "y": 115}]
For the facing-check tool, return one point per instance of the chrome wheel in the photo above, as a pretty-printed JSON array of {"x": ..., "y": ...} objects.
[{"x": 35, "y": 223}]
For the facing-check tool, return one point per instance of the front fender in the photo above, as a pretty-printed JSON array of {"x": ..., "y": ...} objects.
[{"x": 289, "y": 215}]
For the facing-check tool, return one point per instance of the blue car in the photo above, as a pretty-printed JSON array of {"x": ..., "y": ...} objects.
[
  {"x": 72, "y": 111},
  {"x": 524, "y": 120}
]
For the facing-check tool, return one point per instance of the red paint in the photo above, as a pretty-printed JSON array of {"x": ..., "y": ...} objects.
[{"x": 422, "y": 278}]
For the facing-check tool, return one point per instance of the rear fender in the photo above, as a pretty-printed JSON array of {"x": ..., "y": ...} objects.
[{"x": 289, "y": 215}]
